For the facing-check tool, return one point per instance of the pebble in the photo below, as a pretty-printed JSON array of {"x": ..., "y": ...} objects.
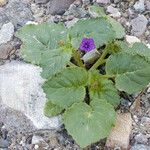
[
  {"x": 59, "y": 6},
  {"x": 139, "y": 6},
  {"x": 6, "y": 50},
  {"x": 140, "y": 147},
  {"x": 6, "y": 33},
  {"x": 4, "y": 143},
  {"x": 3, "y": 2},
  {"x": 146, "y": 121},
  {"x": 18, "y": 12},
  {"x": 141, "y": 138},
  {"x": 120, "y": 134},
  {"x": 86, "y": 2},
  {"x": 41, "y": 1},
  {"x": 103, "y": 1},
  {"x": 148, "y": 5},
  {"x": 131, "y": 39},
  {"x": 37, "y": 139},
  {"x": 139, "y": 25},
  {"x": 114, "y": 12}
]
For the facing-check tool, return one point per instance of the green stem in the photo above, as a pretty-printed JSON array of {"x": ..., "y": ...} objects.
[
  {"x": 77, "y": 59},
  {"x": 108, "y": 76},
  {"x": 101, "y": 60}
]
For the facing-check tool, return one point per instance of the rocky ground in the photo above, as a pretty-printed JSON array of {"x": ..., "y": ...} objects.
[{"x": 16, "y": 130}]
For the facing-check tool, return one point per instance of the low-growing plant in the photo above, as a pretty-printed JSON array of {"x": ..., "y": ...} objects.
[{"x": 86, "y": 94}]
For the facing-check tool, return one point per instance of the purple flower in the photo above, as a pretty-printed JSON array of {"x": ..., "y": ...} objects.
[{"x": 87, "y": 44}]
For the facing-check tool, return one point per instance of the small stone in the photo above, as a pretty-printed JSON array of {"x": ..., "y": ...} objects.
[
  {"x": 20, "y": 89},
  {"x": 131, "y": 39},
  {"x": 6, "y": 50},
  {"x": 37, "y": 139},
  {"x": 114, "y": 12},
  {"x": 36, "y": 146},
  {"x": 18, "y": 12},
  {"x": 139, "y": 6},
  {"x": 145, "y": 121},
  {"x": 148, "y": 5},
  {"x": 6, "y": 33},
  {"x": 120, "y": 134},
  {"x": 4, "y": 143},
  {"x": 141, "y": 138},
  {"x": 103, "y": 1},
  {"x": 3, "y": 2},
  {"x": 139, "y": 25},
  {"x": 41, "y": 1},
  {"x": 148, "y": 45},
  {"x": 140, "y": 147},
  {"x": 91, "y": 56},
  {"x": 59, "y": 6},
  {"x": 86, "y": 2}
]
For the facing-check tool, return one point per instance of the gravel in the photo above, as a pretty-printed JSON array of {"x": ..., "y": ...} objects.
[{"x": 16, "y": 130}]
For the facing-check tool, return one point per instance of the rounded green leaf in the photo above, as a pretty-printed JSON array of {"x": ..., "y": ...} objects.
[
  {"x": 97, "y": 28},
  {"x": 132, "y": 72},
  {"x": 67, "y": 87},
  {"x": 51, "y": 110},
  {"x": 88, "y": 124},
  {"x": 39, "y": 38}
]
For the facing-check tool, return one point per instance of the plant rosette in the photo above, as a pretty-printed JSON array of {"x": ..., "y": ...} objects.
[{"x": 86, "y": 95}]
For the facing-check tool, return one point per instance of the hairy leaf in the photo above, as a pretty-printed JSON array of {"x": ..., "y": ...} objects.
[
  {"x": 54, "y": 61},
  {"x": 67, "y": 87},
  {"x": 117, "y": 27},
  {"x": 51, "y": 109},
  {"x": 96, "y": 11},
  {"x": 102, "y": 88},
  {"x": 89, "y": 123},
  {"x": 132, "y": 72},
  {"x": 137, "y": 48},
  {"x": 97, "y": 28},
  {"x": 41, "y": 46}
]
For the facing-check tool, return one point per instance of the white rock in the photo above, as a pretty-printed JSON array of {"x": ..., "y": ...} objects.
[
  {"x": 131, "y": 39},
  {"x": 139, "y": 6},
  {"x": 91, "y": 56},
  {"x": 20, "y": 89},
  {"x": 148, "y": 45},
  {"x": 120, "y": 134},
  {"x": 31, "y": 22},
  {"x": 114, "y": 12},
  {"x": 6, "y": 33}
]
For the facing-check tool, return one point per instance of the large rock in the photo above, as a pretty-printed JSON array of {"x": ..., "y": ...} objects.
[
  {"x": 120, "y": 134},
  {"x": 59, "y": 6},
  {"x": 18, "y": 12},
  {"x": 20, "y": 89}
]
